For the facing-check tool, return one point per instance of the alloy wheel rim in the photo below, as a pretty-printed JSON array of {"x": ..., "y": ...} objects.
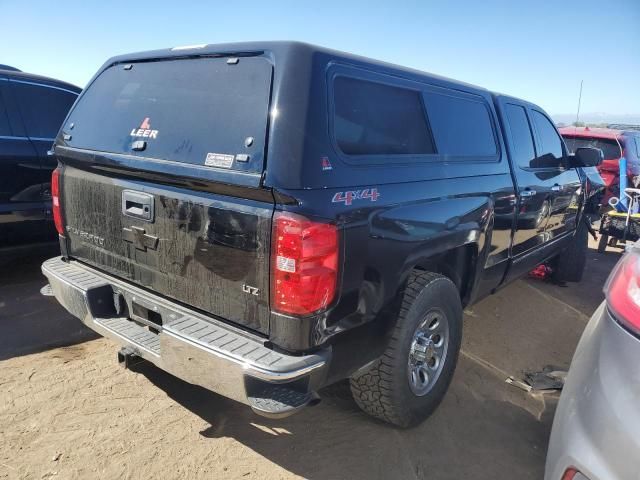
[{"x": 428, "y": 352}]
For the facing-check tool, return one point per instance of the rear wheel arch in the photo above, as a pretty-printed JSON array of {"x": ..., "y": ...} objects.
[{"x": 457, "y": 264}]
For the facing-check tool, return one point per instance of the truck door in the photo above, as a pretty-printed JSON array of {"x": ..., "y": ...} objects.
[
  {"x": 534, "y": 181},
  {"x": 566, "y": 182}
]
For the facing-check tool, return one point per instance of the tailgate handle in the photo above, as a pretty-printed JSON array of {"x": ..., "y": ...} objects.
[{"x": 137, "y": 205}]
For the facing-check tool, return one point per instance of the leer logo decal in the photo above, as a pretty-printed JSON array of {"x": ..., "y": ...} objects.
[
  {"x": 349, "y": 197},
  {"x": 144, "y": 131}
]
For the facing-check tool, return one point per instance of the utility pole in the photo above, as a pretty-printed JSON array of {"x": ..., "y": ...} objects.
[{"x": 579, "y": 100}]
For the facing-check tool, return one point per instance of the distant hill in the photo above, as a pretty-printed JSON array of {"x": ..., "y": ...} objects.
[{"x": 597, "y": 117}]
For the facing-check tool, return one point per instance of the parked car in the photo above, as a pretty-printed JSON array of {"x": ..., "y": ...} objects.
[
  {"x": 614, "y": 144},
  {"x": 32, "y": 109},
  {"x": 265, "y": 219},
  {"x": 596, "y": 429}
]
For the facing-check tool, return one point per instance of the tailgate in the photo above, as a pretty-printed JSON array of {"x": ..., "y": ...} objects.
[{"x": 160, "y": 182}]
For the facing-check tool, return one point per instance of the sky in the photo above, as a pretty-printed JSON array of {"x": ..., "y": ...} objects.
[{"x": 538, "y": 50}]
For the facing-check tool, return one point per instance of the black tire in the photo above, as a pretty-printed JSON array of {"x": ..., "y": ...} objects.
[
  {"x": 384, "y": 390},
  {"x": 602, "y": 243},
  {"x": 569, "y": 265}
]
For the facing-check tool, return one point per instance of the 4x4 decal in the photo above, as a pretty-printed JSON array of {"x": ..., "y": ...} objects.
[{"x": 350, "y": 196}]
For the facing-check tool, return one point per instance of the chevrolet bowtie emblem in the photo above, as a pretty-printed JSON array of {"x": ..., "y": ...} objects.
[{"x": 139, "y": 238}]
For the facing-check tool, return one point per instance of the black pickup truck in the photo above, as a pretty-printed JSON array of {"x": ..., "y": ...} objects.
[{"x": 265, "y": 219}]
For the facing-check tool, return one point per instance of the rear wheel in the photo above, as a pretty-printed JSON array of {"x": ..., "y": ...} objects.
[
  {"x": 569, "y": 265},
  {"x": 410, "y": 379}
]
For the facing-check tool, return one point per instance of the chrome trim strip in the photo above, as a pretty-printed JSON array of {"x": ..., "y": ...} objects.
[
  {"x": 13, "y": 137},
  {"x": 43, "y": 85}
]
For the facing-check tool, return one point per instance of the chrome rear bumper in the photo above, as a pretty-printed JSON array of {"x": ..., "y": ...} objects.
[{"x": 185, "y": 343}]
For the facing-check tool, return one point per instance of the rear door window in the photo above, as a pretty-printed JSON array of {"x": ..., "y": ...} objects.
[
  {"x": 461, "y": 124},
  {"x": 43, "y": 108},
  {"x": 521, "y": 137},
  {"x": 201, "y": 111},
  {"x": 378, "y": 119}
]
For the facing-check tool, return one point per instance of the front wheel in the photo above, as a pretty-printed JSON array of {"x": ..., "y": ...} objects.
[{"x": 410, "y": 379}]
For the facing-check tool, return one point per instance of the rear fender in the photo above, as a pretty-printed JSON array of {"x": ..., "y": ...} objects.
[{"x": 429, "y": 233}]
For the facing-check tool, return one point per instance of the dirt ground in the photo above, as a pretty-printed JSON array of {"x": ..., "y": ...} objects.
[{"x": 70, "y": 412}]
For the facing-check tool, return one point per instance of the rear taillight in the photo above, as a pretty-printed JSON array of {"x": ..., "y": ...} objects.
[
  {"x": 573, "y": 474},
  {"x": 55, "y": 199},
  {"x": 304, "y": 264},
  {"x": 623, "y": 291}
]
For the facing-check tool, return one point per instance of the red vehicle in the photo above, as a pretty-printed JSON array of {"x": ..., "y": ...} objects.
[{"x": 614, "y": 144}]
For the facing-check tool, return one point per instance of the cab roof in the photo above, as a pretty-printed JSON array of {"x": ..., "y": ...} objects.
[
  {"x": 32, "y": 77},
  {"x": 280, "y": 50}
]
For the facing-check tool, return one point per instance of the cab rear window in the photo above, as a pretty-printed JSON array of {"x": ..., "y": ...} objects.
[
  {"x": 204, "y": 111},
  {"x": 610, "y": 148}
]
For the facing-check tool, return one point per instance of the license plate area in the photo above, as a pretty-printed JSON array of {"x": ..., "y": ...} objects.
[
  {"x": 110, "y": 302},
  {"x": 148, "y": 317}
]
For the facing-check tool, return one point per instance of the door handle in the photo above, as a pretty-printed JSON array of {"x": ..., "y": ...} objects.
[
  {"x": 527, "y": 193},
  {"x": 556, "y": 188},
  {"x": 137, "y": 205}
]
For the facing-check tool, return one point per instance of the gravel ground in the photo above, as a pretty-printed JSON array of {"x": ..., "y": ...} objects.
[{"x": 68, "y": 411}]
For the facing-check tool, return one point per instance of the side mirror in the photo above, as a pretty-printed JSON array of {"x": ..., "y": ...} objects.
[{"x": 585, "y": 157}]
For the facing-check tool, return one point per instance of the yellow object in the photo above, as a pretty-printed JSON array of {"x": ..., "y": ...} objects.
[{"x": 635, "y": 216}]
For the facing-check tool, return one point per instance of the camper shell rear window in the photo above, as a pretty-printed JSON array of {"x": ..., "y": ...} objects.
[{"x": 205, "y": 111}]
